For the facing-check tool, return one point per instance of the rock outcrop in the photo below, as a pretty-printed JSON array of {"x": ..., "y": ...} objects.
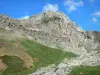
[{"x": 53, "y": 29}]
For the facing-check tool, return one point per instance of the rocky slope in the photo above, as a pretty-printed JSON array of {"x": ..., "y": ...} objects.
[
  {"x": 66, "y": 66},
  {"x": 56, "y": 30}
]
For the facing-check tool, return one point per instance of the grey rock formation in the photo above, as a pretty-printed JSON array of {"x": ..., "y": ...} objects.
[{"x": 53, "y": 29}]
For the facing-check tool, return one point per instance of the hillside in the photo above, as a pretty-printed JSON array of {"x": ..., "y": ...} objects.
[
  {"x": 23, "y": 56},
  {"x": 48, "y": 44}
]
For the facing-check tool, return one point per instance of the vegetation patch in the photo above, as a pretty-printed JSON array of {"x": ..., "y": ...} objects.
[
  {"x": 86, "y": 70},
  {"x": 43, "y": 55},
  {"x": 14, "y": 65}
]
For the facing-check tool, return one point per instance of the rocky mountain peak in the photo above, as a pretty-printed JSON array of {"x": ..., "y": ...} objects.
[
  {"x": 52, "y": 22},
  {"x": 53, "y": 29}
]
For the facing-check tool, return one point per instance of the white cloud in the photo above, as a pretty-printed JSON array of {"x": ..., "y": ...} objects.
[
  {"x": 94, "y": 19},
  {"x": 24, "y": 17},
  {"x": 53, "y": 7},
  {"x": 72, "y": 5},
  {"x": 97, "y": 14}
]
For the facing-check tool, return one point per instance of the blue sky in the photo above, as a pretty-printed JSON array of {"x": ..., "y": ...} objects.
[{"x": 86, "y": 13}]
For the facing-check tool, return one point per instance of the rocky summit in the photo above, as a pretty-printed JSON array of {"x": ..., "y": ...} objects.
[{"x": 56, "y": 30}]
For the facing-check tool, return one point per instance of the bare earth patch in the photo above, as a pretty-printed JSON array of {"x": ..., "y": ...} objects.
[
  {"x": 2, "y": 66},
  {"x": 27, "y": 59}
]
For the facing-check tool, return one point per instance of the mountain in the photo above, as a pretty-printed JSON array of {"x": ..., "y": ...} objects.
[{"x": 55, "y": 30}]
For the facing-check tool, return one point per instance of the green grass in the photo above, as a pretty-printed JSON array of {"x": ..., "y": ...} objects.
[
  {"x": 45, "y": 56},
  {"x": 14, "y": 66},
  {"x": 95, "y": 70}
]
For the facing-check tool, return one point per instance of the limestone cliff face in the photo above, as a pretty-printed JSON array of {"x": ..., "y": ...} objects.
[{"x": 54, "y": 29}]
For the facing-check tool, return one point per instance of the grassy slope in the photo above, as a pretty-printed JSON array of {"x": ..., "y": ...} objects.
[
  {"x": 14, "y": 64},
  {"x": 86, "y": 70},
  {"x": 42, "y": 56},
  {"x": 45, "y": 55}
]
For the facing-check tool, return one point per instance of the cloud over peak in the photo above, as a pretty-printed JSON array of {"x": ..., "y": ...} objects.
[{"x": 53, "y": 7}]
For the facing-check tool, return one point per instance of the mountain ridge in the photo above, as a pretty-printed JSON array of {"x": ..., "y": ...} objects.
[
  {"x": 53, "y": 29},
  {"x": 56, "y": 30}
]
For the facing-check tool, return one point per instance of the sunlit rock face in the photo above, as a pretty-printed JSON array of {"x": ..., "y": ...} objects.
[{"x": 54, "y": 29}]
